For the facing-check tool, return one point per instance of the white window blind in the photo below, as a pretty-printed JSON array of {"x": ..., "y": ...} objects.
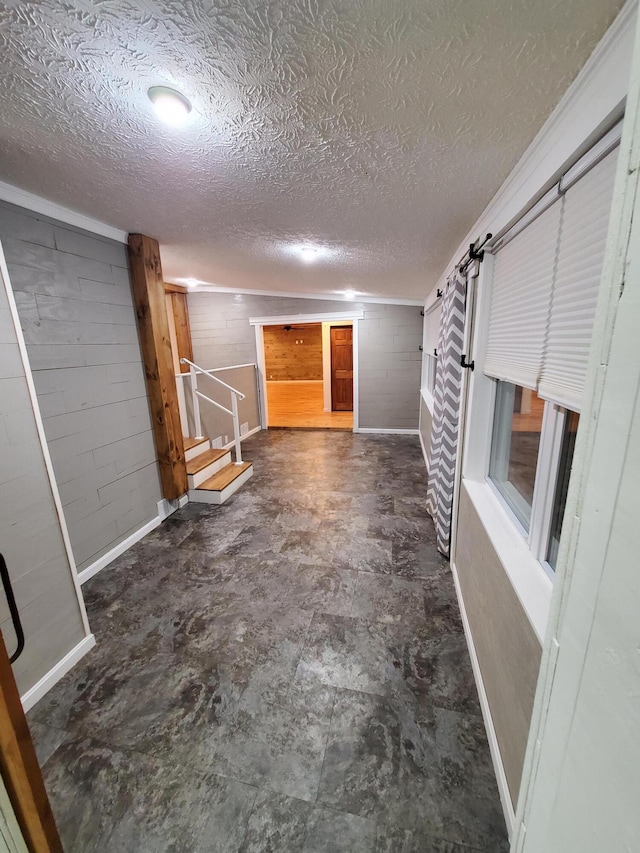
[
  {"x": 583, "y": 235},
  {"x": 523, "y": 276}
]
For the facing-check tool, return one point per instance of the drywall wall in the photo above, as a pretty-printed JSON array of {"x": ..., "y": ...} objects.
[
  {"x": 506, "y": 645},
  {"x": 388, "y": 350},
  {"x": 293, "y": 354},
  {"x": 73, "y": 295},
  {"x": 30, "y": 536}
]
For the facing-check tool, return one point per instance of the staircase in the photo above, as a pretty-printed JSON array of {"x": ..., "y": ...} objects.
[{"x": 212, "y": 476}]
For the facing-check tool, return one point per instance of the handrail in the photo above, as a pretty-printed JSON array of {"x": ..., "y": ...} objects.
[
  {"x": 233, "y": 367},
  {"x": 209, "y": 400},
  {"x": 236, "y": 395},
  {"x": 13, "y": 610},
  {"x": 218, "y": 369},
  {"x": 209, "y": 373}
]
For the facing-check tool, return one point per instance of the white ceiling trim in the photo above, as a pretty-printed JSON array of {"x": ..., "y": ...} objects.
[
  {"x": 30, "y": 201},
  {"x": 307, "y": 318},
  {"x": 293, "y": 294}
]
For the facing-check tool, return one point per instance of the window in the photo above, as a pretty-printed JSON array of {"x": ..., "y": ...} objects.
[
  {"x": 530, "y": 464},
  {"x": 514, "y": 449},
  {"x": 562, "y": 485},
  {"x": 430, "y": 347},
  {"x": 546, "y": 279},
  {"x": 431, "y": 360}
]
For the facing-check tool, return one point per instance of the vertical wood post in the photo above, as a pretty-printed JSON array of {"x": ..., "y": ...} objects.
[
  {"x": 19, "y": 768},
  {"x": 153, "y": 325},
  {"x": 180, "y": 310}
]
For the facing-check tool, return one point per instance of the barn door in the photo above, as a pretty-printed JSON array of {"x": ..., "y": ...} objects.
[{"x": 342, "y": 368}]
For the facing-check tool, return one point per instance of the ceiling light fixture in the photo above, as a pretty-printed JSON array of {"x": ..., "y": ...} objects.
[
  {"x": 349, "y": 294},
  {"x": 170, "y": 106},
  {"x": 308, "y": 254}
]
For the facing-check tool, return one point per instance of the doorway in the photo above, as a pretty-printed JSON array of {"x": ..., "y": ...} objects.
[{"x": 295, "y": 359}]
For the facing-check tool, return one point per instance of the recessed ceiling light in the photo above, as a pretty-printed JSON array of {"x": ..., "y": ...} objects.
[
  {"x": 349, "y": 294},
  {"x": 308, "y": 254},
  {"x": 170, "y": 106}
]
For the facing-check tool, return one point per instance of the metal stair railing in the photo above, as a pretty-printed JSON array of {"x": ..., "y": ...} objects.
[{"x": 194, "y": 370}]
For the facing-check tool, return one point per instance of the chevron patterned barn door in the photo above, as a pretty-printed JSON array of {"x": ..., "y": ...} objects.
[{"x": 444, "y": 433}]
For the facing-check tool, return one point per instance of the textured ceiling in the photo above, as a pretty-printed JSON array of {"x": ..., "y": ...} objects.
[{"x": 378, "y": 129}]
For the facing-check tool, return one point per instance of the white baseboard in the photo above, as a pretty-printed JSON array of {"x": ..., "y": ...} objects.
[
  {"x": 167, "y": 508},
  {"x": 120, "y": 548},
  {"x": 376, "y": 431},
  {"x": 57, "y": 672},
  {"x": 496, "y": 757}
]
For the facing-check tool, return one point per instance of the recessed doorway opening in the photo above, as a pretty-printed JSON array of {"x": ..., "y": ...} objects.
[{"x": 309, "y": 367}]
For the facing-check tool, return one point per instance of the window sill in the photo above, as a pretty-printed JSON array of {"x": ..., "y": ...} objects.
[
  {"x": 531, "y": 583},
  {"x": 429, "y": 402}
]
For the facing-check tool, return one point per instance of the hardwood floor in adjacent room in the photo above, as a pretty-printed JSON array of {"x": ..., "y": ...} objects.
[{"x": 300, "y": 404}]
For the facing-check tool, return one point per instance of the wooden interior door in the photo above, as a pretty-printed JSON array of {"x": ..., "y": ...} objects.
[
  {"x": 342, "y": 368},
  {"x": 20, "y": 770}
]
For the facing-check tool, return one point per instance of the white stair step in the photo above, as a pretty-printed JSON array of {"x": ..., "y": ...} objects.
[
  {"x": 205, "y": 465},
  {"x": 218, "y": 488},
  {"x": 194, "y": 447}
]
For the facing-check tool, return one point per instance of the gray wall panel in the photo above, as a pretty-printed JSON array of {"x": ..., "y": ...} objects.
[
  {"x": 76, "y": 310},
  {"x": 30, "y": 536},
  {"x": 389, "y": 358},
  {"x": 508, "y": 650}
]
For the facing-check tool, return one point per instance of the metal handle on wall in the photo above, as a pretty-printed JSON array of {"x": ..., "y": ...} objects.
[{"x": 13, "y": 609}]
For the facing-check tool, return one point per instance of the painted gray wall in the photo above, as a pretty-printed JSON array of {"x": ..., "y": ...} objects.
[
  {"x": 389, "y": 358},
  {"x": 30, "y": 536},
  {"x": 74, "y": 299},
  {"x": 507, "y": 647}
]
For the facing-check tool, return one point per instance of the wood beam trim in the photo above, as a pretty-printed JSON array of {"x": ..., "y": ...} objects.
[
  {"x": 183, "y": 328},
  {"x": 20, "y": 769},
  {"x": 155, "y": 342},
  {"x": 174, "y": 288}
]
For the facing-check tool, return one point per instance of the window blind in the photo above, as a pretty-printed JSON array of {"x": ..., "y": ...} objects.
[
  {"x": 522, "y": 281},
  {"x": 574, "y": 295}
]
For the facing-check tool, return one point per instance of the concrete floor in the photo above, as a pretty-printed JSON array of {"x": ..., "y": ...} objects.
[{"x": 287, "y": 672}]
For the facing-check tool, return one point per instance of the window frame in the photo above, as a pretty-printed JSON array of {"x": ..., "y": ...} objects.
[
  {"x": 429, "y": 357},
  {"x": 537, "y": 537},
  {"x": 502, "y": 486},
  {"x": 532, "y": 584}
]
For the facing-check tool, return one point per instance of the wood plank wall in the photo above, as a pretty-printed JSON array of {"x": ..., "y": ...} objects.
[{"x": 287, "y": 361}]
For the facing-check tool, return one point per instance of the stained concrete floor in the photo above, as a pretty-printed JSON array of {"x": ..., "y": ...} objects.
[{"x": 287, "y": 672}]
